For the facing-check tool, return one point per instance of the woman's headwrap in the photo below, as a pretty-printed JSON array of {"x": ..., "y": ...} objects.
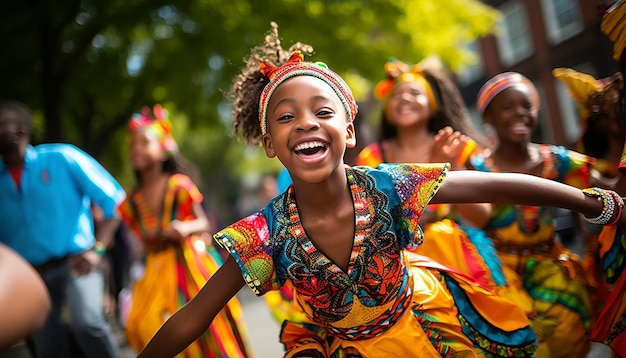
[
  {"x": 156, "y": 121},
  {"x": 296, "y": 66},
  {"x": 592, "y": 96},
  {"x": 499, "y": 83},
  {"x": 400, "y": 72}
]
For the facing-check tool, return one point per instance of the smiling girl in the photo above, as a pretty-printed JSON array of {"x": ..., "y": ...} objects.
[
  {"x": 165, "y": 216},
  {"x": 339, "y": 233},
  {"x": 544, "y": 278}
]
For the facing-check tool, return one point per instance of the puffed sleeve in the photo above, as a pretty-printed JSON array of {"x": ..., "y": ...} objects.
[
  {"x": 414, "y": 185},
  {"x": 248, "y": 242},
  {"x": 187, "y": 194}
]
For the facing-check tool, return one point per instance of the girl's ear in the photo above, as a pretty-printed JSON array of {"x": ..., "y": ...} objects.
[
  {"x": 350, "y": 135},
  {"x": 268, "y": 145}
]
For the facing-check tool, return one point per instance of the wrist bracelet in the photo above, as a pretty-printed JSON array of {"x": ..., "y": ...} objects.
[
  {"x": 99, "y": 248},
  {"x": 610, "y": 202},
  {"x": 619, "y": 203}
]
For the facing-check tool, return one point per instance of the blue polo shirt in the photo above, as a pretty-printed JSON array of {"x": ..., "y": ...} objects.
[{"x": 50, "y": 217}]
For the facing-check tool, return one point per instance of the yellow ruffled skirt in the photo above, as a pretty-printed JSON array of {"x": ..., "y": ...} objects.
[{"x": 436, "y": 325}]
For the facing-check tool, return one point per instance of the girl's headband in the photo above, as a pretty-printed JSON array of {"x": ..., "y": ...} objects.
[
  {"x": 296, "y": 66},
  {"x": 499, "y": 83},
  {"x": 157, "y": 122},
  {"x": 399, "y": 72}
]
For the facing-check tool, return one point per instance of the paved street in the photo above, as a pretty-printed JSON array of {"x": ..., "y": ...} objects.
[{"x": 262, "y": 327}]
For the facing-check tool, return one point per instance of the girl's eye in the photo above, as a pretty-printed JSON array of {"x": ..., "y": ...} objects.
[
  {"x": 324, "y": 113},
  {"x": 285, "y": 117}
]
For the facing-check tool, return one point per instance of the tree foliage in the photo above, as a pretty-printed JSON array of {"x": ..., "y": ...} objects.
[{"x": 84, "y": 66}]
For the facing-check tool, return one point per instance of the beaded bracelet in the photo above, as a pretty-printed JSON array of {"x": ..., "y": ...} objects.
[
  {"x": 608, "y": 208},
  {"x": 620, "y": 206},
  {"x": 610, "y": 201}
]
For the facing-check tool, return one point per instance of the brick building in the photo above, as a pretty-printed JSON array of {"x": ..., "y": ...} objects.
[{"x": 534, "y": 37}]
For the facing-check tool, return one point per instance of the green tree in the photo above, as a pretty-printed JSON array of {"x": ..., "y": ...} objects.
[{"x": 84, "y": 66}]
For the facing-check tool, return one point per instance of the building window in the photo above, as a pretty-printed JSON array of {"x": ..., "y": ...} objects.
[
  {"x": 514, "y": 36},
  {"x": 562, "y": 18},
  {"x": 570, "y": 120},
  {"x": 474, "y": 71}
]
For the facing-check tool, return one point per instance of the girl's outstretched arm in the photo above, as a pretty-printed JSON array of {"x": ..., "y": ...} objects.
[
  {"x": 194, "y": 318},
  {"x": 470, "y": 186}
]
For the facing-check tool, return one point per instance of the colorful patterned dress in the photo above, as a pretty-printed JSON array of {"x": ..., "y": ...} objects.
[
  {"x": 447, "y": 240},
  {"x": 543, "y": 277},
  {"x": 175, "y": 272},
  {"x": 390, "y": 302}
]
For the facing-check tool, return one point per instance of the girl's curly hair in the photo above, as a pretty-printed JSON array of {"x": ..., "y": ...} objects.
[{"x": 248, "y": 85}]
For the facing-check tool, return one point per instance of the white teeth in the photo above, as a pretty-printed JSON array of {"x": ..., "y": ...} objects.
[{"x": 309, "y": 145}]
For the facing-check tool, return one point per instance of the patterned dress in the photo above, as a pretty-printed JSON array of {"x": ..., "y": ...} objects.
[
  {"x": 543, "y": 277},
  {"x": 389, "y": 302},
  {"x": 175, "y": 272}
]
